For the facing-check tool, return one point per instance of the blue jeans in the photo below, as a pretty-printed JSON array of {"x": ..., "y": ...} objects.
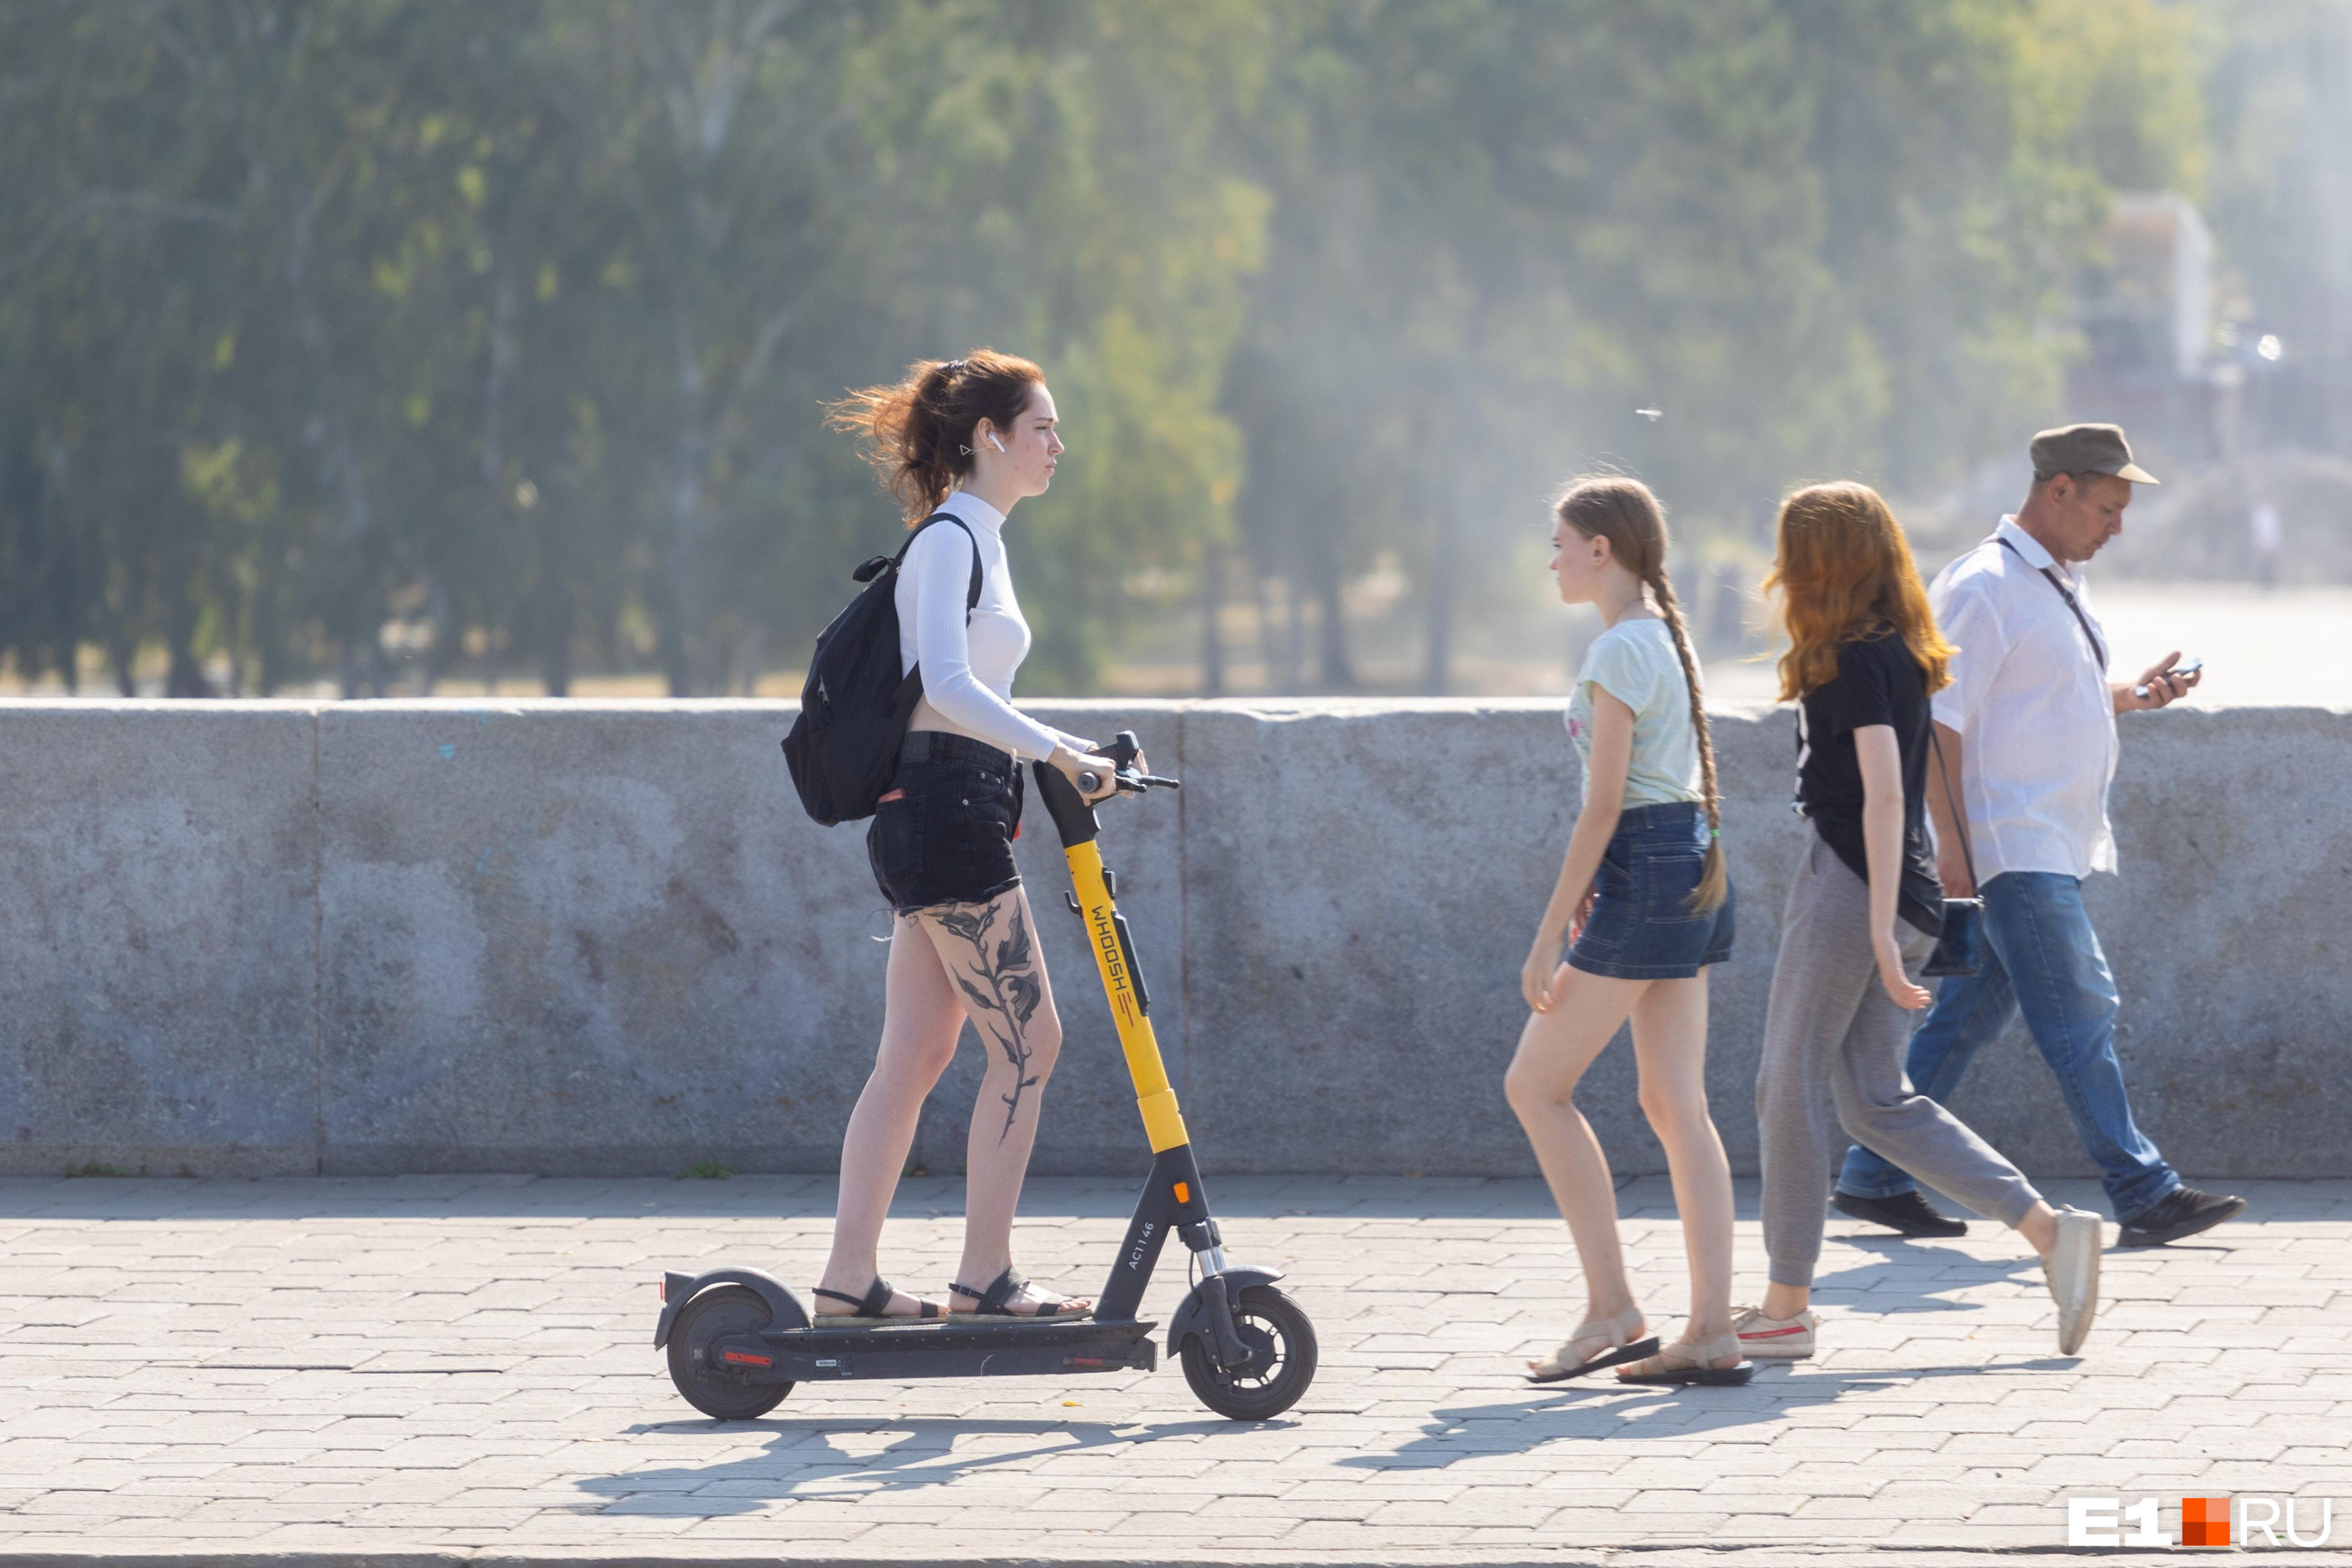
[{"x": 2044, "y": 961}]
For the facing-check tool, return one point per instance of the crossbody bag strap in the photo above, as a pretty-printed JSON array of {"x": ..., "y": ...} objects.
[
  {"x": 1959, "y": 805},
  {"x": 2051, "y": 577}
]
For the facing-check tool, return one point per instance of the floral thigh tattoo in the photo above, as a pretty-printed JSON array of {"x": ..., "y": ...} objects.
[{"x": 1003, "y": 989}]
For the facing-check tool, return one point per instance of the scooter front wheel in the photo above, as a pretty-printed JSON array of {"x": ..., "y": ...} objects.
[
  {"x": 728, "y": 1310},
  {"x": 1282, "y": 1359}
]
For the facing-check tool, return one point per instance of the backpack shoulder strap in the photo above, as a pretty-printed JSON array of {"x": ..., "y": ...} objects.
[{"x": 971, "y": 595}]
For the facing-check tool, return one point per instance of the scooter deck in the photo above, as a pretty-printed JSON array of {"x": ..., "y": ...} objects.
[{"x": 952, "y": 1348}]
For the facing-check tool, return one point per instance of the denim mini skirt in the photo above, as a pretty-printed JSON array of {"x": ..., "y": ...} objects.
[
  {"x": 944, "y": 831},
  {"x": 1642, "y": 926}
]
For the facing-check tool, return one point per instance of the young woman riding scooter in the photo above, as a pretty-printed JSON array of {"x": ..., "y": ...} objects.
[
  {"x": 958, "y": 444},
  {"x": 1645, "y": 905}
]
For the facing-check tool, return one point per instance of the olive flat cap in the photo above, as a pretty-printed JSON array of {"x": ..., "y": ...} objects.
[{"x": 2088, "y": 450}]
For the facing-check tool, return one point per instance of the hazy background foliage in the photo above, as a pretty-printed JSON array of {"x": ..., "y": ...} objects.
[{"x": 392, "y": 344}]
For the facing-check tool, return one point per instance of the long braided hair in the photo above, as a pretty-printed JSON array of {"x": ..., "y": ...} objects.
[{"x": 1623, "y": 512}]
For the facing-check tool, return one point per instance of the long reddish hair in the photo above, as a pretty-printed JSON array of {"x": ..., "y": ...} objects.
[
  {"x": 915, "y": 431},
  {"x": 1844, "y": 572}
]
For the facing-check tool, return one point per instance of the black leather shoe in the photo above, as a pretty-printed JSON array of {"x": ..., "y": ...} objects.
[
  {"x": 2183, "y": 1211},
  {"x": 1907, "y": 1211}
]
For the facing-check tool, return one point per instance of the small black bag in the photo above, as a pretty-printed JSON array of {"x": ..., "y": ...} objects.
[
  {"x": 1959, "y": 951},
  {"x": 855, "y": 706}
]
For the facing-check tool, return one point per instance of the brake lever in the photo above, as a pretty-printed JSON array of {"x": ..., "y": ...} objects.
[
  {"x": 1122, "y": 751},
  {"x": 1126, "y": 781}
]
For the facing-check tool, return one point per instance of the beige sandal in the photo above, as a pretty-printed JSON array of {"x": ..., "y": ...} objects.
[
  {"x": 1682, "y": 1362},
  {"x": 1559, "y": 1368}
]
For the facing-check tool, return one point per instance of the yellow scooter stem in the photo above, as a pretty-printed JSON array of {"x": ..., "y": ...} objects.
[{"x": 1163, "y": 1125}]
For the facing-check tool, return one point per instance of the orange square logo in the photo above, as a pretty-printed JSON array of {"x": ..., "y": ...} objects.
[{"x": 2204, "y": 1521}]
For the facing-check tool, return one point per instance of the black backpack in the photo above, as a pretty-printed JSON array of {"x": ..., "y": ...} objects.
[{"x": 844, "y": 746}]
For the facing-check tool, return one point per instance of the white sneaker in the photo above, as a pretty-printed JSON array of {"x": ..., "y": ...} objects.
[
  {"x": 2071, "y": 1271},
  {"x": 1774, "y": 1339}
]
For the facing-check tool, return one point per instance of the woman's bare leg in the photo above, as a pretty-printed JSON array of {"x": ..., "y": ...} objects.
[
  {"x": 991, "y": 951},
  {"x": 1554, "y": 1050},
  {"x": 921, "y": 1016},
  {"x": 1670, "y": 1043}
]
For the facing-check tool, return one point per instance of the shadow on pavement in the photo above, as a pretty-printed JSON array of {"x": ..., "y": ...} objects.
[
  {"x": 1595, "y": 1413},
  {"x": 1952, "y": 1269},
  {"x": 799, "y": 1463},
  {"x": 1604, "y": 1412}
]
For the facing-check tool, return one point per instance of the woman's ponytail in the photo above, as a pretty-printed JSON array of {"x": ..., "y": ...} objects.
[{"x": 917, "y": 431}]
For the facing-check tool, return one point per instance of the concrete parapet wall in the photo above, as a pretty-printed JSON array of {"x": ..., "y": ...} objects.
[{"x": 591, "y": 938}]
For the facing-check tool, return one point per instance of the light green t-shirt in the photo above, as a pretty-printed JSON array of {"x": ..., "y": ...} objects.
[{"x": 1635, "y": 661}]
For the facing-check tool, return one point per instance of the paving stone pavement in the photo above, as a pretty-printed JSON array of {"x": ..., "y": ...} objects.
[{"x": 434, "y": 1369}]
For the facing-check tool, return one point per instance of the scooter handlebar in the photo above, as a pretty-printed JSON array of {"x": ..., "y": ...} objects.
[
  {"x": 1127, "y": 780},
  {"x": 1073, "y": 808},
  {"x": 1123, "y": 750}
]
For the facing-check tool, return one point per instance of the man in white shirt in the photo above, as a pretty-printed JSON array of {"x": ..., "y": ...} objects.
[{"x": 2027, "y": 735}]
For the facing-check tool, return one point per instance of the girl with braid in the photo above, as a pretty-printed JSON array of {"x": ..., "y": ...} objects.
[{"x": 1644, "y": 904}]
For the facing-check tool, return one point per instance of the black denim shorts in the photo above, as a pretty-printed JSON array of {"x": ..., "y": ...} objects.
[{"x": 944, "y": 831}]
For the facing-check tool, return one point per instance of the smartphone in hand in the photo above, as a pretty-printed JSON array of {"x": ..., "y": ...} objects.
[{"x": 2191, "y": 668}]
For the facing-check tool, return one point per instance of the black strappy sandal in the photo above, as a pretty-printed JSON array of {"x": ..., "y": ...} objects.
[
  {"x": 1685, "y": 1363},
  {"x": 871, "y": 1306},
  {"x": 1009, "y": 1285}
]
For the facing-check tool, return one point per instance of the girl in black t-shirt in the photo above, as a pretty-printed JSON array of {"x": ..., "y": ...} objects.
[{"x": 1863, "y": 910}]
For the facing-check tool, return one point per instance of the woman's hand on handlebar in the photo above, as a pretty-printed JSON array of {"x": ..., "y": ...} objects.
[{"x": 1070, "y": 764}]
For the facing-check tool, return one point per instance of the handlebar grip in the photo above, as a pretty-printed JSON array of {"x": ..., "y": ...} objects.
[{"x": 1088, "y": 782}]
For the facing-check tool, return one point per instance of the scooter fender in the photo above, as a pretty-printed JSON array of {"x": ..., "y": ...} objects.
[
  {"x": 784, "y": 1310},
  {"x": 1209, "y": 1313}
]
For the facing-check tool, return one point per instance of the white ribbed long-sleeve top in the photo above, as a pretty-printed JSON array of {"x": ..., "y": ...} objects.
[{"x": 968, "y": 668}]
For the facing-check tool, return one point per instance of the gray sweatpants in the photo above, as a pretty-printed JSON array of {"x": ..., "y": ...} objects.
[{"x": 1832, "y": 1034}]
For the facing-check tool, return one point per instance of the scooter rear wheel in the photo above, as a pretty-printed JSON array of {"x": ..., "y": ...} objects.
[
  {"x": 1282, "y": 1359},
  {"x": 728, "y": 1309}
]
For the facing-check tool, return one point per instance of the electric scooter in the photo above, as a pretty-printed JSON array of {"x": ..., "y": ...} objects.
[{"x": 739, "y": 1339}]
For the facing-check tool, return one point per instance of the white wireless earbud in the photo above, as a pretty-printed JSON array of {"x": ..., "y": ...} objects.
[{"x": 994, "y": 442}]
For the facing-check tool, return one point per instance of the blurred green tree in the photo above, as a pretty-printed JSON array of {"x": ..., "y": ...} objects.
[{"x": 370, "y": 338}]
